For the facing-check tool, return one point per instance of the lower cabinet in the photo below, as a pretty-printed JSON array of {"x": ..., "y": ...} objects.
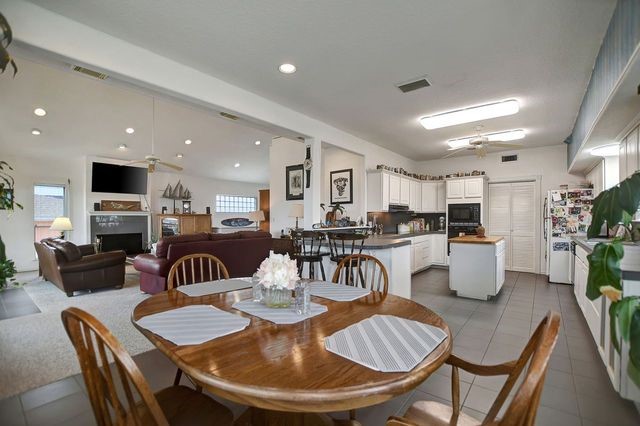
[{"x": 427, "y": 250}]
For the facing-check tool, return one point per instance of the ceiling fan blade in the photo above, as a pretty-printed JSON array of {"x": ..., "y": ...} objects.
[
  {"x": 505, "y": 145},
  {"x": 135, "y": 162},
  {"x": 452, "y": 153},
  {"x": 173, "y": 166}
]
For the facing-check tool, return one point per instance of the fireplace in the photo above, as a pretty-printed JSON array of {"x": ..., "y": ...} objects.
[{"x": 131, "y": 243}]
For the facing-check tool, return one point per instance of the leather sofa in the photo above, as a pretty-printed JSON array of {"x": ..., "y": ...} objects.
[
  {"x": 72, "y": 267},
  {"x": 241, "y": 252}
]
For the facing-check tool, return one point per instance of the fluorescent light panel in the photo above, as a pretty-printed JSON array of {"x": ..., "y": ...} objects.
[
  {"x": 471, "y": 114},
  {"x": 510, "y": 135}
]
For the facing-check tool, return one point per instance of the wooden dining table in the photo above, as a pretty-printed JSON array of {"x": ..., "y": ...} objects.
[{"x": 286, "y": 369}]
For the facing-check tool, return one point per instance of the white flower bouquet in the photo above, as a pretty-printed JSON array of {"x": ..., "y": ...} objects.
[{"x": 278, "y": 271}]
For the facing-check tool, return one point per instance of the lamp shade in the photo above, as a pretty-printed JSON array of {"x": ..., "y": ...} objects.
[
  {"x": 257, "y": 216},
  {"x": 61, "y": 224},
  {"x": 297, "y": 210}
]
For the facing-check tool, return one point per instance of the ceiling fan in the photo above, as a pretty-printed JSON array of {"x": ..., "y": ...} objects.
[
  {"x": 481, "y": 143},
  {"x": 151, "y": 160}
]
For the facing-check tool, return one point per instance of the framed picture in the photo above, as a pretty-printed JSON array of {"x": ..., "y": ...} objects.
[
  {"x": 295, "y": 182},
  {"x": 341, "y": 183}
]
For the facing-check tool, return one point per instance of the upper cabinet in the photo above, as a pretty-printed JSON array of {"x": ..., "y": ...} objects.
[
  {"x": 394, "y": 189},
  {"x": 442, "y": 198},
  {"x": 429, "y": 197},
  {"x": 415, "y": 197},
  {"x": 471, "y": 188},
  {"x": 405, "y": 191},
  {"x": 384, "y": 188},
  {"x": 629, "y": 159},
  {"x": 378, "y": 185},
  {"x": 455, "y": 188}
]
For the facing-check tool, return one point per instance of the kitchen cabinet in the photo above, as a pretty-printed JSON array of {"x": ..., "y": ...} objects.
[
  {"x": 429, "y": 200},
  {"x": 455, "y": 189},
  {"x": 394, "y": 189},
  {"x": 473, "y": 187},
  {"x": 629, "y": 158},
  {"x": 476, "y": 269},
  {"x": 378, "y": 191},
  {"x": 405, "y": 191},
  {"x": 438, "y": 249},
  {"x": 186, "y": 223},
  {"x": 441, "y": 204},
  {"x": 421, "y": 253},
  {"x": 415, "y": 200}
]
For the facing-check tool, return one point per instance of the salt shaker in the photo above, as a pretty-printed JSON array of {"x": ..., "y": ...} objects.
[{"x": 302, "y": 299}]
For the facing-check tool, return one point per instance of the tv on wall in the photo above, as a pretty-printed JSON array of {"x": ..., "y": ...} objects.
[{"x": 118, "y": 179}]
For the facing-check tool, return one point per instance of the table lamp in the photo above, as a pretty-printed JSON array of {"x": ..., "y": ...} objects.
[
  {"x": 61, "y": 224},
  {"x": 256, "y": 217},
  {"x": 297, "y": 211}
]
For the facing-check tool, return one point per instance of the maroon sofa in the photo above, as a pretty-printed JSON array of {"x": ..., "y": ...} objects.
[{"x": 241, "y": 252}]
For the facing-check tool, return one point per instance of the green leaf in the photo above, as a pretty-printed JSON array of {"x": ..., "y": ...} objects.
[
  {"x": 630, "y": 193},
  {"x": 613, "y": 321},
  {"x": 634, "y": 347},
  {"x": 626, "y": 314},
  {"x": 604, "y": 268},
  {"x": 611, "y": 204}
]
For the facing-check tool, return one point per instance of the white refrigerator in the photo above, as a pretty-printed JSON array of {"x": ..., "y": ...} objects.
[{"x": 567, "y": 213}]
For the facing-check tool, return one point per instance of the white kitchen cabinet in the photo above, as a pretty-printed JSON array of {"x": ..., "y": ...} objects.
[
  {"x": 378, "y": 191},
  {"x": 415, "y": 202},
  {"x": 455, "y": 189},
  {"x": 473, "y": 188},
  {"x": 476, "y": 270},
  {"x": 429, "y": 197},
  {"x": 394, "y": 189},
  {"x": 441, "y": 205},
  {"x": 629, "y": 158},
  {"x": 405, "y": 191},
  {"x": 438, "y": 249}
]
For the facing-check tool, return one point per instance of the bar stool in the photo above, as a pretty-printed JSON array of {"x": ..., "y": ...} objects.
[
  {"x": 307, "y": 246},
  {"x": 344, "y": 244}
]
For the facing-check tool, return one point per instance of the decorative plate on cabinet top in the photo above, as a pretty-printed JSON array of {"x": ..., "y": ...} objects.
[{"x": 237, "y": 222}]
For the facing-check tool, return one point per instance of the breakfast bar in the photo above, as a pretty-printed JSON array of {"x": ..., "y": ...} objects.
[{"x": 476, "y": 266}]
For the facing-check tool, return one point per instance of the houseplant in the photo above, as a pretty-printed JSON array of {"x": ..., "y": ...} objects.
[
  {"x": 330, "y": 217},
  {"x": 6, "y": 37},
  {"x": 7, "y": 202},
  {"x": 617, "y": 206},
  {"x": 278, "y": 274}
]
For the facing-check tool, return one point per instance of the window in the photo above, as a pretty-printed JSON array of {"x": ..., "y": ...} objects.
[
  {"x": 49, "y": 202},
  {"x": 235, "y": 204}
]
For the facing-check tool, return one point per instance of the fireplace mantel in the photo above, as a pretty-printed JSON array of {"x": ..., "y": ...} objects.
[{"x": 119, "y": 213}]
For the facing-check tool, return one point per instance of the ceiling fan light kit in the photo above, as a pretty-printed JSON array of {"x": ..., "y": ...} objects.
[{"x": 471, "y": 114}]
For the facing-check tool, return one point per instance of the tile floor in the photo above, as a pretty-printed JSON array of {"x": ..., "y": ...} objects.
[{"x": 577, "y": 390}]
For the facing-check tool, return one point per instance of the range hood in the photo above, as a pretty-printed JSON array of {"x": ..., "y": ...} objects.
[{"x": 393, "y": 208}]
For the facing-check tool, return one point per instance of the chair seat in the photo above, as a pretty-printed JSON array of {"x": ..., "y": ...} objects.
[
  {"x": 430, "y": 413},
  {"x": 183, "y": 406}
]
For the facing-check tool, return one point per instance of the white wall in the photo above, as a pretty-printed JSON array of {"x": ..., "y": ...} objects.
[
  {"x": 611, "y": 171},
  {"x": 203, "y": 192},
  {"x": 596, "y": 177},
  {"x": 334, "y": 158},
  {"x": 283, "y": 152},
  {"x": 17, "y": 229}
]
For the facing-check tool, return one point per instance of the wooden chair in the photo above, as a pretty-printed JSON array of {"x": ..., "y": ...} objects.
[
  {"x": 342, "y": 245},
  {"x": 362, "y": 270},
  {"x": 113, "y": 389},
  {"x": 307, "y": 245},
  {"x": 196, "y": 268},
  {"x": 521, "y": 411}
]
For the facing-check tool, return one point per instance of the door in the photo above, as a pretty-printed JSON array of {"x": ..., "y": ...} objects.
[
  {"x": 512, "y": 215},
  {"x": 405, "y": 191},
  {"x": 442, "y": 200},
  {"x": 473, "y": 188},
  {"x": 455, "y": 188},
  {"x": 429, "y": 197},
  {"x": 264, "y": 203},
  {"x": 394, "y": 189}
]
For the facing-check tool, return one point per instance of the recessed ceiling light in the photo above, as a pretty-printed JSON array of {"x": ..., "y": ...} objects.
[
  {"x": 179, "y": 155},
  {"x": 130, "y": 130},
  {"x": 471, "y": 114},
  {"x": 236, "y": 165},
  {"x": 257, "y": 142},
  {"x": 188, "y": 142},
  {"x": 36, "y": 132},
  {"x": 610, "y": 150},
  {"x": 40, "y": 112},
  {"x": 510, "y": 135},
  {"x": 287, "y": 68},
  {"x": 122, "y": 146}
]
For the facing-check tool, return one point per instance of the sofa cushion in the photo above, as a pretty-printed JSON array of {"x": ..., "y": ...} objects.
[
  {"x": 163, "y": 245},
  {"x": 254, "y": 234},
  {"x": 223, "y": 237},
  {"x": 70, "y": 251},
  {"x": 95, "y": 261},
  {"x": 151, "y": 264}
]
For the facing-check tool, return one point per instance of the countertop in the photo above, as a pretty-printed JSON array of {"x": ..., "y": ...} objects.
[
  {"x": 411, "y": 234},
  {"x": 379, "y": 242},
  {"x": 630, "y": 264},
  {"x": 472, "y": 239}
]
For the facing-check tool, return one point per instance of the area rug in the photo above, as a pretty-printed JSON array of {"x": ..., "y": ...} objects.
[{"x": 35, "y": 349}]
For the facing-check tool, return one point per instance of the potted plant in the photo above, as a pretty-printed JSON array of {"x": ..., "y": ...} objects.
[
  {"x": 6, "y": 37},
  {"x": 330, "y": 217},
  {"x": 7, "y": 202},
  {"x": 616, "y": 206}
]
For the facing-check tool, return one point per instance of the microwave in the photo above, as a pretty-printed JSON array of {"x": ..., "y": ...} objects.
[{"x": 464, "y": 214}]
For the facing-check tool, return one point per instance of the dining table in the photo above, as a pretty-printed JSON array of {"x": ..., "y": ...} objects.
[{"x": 282, "y": 372}]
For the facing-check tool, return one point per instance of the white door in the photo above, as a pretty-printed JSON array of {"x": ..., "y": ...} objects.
[
  {"x": 429, "y": 197},
  {"x": 512, "y": 215},
  {"x": 473, "y": 188},
  {"x": 394, "y": 189},
  {"x": 442, "y": 200},
  {"x": 405, "y": 191},
  {"x": 455, "y": 188}
]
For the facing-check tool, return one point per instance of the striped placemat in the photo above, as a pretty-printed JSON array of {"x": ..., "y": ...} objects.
[
  {"x": 194, "y": 324},
  {"x": 386, "y": 343},
  {"x": 214, "y": 287},
  {"x": 277, "y": 315},
  {"x": 337, "y": 292}
]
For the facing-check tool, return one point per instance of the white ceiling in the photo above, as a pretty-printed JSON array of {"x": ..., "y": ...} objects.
[
  {"x": 350, "y": 54},
  {"x": 86, "y": 116}
]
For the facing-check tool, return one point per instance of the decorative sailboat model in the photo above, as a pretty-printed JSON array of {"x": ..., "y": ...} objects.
[{"x": 176, "y": 193}]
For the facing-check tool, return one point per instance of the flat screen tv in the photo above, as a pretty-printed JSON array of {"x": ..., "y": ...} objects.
[{"x": 118, "y": 179}]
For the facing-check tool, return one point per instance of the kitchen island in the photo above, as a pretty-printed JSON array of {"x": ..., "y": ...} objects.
[{"x": 476, "y": 266}]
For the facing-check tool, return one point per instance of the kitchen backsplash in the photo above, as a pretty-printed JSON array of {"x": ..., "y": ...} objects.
[{"x": 391, "y": 220}]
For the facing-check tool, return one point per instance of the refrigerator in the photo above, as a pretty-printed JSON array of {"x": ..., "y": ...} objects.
[{"x": 567, "y": 213}]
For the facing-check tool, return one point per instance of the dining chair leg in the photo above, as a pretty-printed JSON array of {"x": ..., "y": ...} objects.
[
  {"x": 322, "y": 271},
  {"x": 352, "y": 414},
  {"x": 176, "y": 381}
]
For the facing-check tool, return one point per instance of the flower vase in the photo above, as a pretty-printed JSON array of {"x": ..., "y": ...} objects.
[{"x": 277, "y": 297}]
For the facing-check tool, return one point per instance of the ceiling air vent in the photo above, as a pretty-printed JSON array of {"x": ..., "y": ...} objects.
[
  {"x": 509, "y": 158},
  {"x": 90, "y": 73},
  {"x": 229, "y": 116},
  {"x": 412, "y": 85}
]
